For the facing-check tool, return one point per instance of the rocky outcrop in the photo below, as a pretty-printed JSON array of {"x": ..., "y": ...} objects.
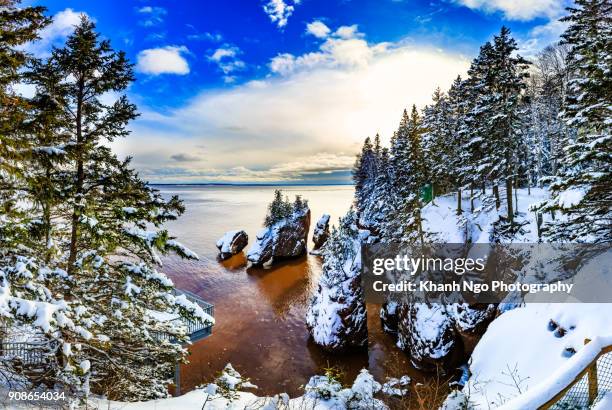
[
  {"x": 336, "y": 317},
  {"x": 321, "y": 231},
  {"x": 282, "y": 240},
  {"x": 437, "y": 335},
  {"x": 232, "y": 243},
  {"x": 427, "y": 334}
]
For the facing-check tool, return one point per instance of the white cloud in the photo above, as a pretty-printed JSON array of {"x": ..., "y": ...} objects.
[
  {"x": 519, "y": 9},
  {"x": 223, "y": 52},
  {"x": 308, "y": 117},
  {"x": 348, "y": 32},
  {"x": 226, "y": 58},
  {"x": 152, "y": 15},
  {"x": 318, "y": 29},
  {"x": 279, "y": 11},
  {"x": 163, "y": 60},
  {"x": 542, "y": 36},
  {"x": 344, "y": 49},
  {"x": 62, "y": 26}
]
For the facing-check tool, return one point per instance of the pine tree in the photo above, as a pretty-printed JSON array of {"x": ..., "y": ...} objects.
[
  {"x": 497, "y": 76},
  {"x": 408, "y": 177},
  {"x": 438, "y": 143},
  {"x": 279, "y": 209},
  {"x": 101, "y": 268},
  {"x": 364, "y": 172},
  {"x": 337, "y": 317},
  {"x": 459, "y": 163},
  {"x": 582, "y": 190}
]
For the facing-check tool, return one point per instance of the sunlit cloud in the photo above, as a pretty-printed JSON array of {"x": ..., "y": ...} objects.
[
  {"x": 305, "y": 119},
  {"x": 163, "y": 60}
]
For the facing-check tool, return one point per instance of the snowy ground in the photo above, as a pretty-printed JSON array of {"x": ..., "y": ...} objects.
[
  {"x": 524, "y": 346},
  {"x": 321, "y": 393},
  {"x": 440, "y": 217}
]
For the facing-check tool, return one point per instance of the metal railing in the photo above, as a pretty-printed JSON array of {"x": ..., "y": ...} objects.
[
  {"x": 26, "y": 353},
  {"x": 196, "y": 329},
  {"x": 588, "y": 387}
]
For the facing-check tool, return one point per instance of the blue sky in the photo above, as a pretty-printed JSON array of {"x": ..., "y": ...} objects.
[{"x": 285, "y": 90}]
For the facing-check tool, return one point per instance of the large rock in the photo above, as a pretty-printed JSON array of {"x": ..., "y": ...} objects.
[
  {"x": 321, "y": 231},
  {"x": 336, "y": 317},
  {"x": 427, "y": 334},
  {"x": 283, "y": 240},
  {"x": 232, "y": 243},
  {"x": 437, "y": 335}
]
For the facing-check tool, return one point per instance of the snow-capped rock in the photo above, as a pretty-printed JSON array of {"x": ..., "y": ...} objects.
[
  {"x": 426, "y": 333},
  {"x": 232, "y": 243},
  {"x": 336, "y": 317},
  {"x": 321, "y": 231},
  {"x": 284, "y": 239}
]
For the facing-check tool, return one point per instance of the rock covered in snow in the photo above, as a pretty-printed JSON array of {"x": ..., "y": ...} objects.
[
  {"x": 282, "y": 240},
  {"x": 336, "y": 317},
  {"x": 426, "y": 333},
  {"x": 321, "y": 231},
  {"x": 437, "y": 334},
  {"x": 232, "y": 243}
]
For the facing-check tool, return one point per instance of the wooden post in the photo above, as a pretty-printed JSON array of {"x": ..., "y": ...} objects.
[{"x": 592, "y": 376}]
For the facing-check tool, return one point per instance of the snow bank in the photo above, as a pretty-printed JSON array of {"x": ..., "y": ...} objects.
[
  {"x": 524, "y": 346},
  {"x": 558, "y": 380}
]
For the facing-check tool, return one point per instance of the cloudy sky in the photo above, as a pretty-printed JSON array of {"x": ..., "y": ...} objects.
[{"x": 268, "y": 91}]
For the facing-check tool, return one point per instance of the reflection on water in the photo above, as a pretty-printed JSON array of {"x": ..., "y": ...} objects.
[{"x": 260, "y": 313}]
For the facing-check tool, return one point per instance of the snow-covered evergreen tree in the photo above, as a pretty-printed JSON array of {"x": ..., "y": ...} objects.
[
  {"x": 365, "y": 171},
  {"x": 337, "y": 317},
  {"x": 82, "y": 233},
  {"x": 497, "y": 78},
  {"x": 582, "y": 190}
]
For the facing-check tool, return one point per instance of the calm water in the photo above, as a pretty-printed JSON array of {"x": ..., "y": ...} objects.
[{"x": 260, "y": 313}]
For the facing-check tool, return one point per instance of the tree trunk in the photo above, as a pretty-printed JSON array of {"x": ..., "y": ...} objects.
[
  {"x": 516, "y": 196},
  {"x": 509, "y": 200},
  {"x": 459, "y": 210},
  {"x": 76, "y": 210},
  {"x": 496, "y": 194},
  {"x": 471, "y": 197}
]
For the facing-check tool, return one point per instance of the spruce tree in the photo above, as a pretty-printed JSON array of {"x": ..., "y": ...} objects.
[
  {"x": 582, "y": 190},
  {"x": 100, "y": 228},
  {"x": 364, "y": 172}
]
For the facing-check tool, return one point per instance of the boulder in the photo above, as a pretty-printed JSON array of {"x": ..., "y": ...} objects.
[
  {"x": 283, "y": 240},
  {"x": 321, "y": 231},
  {"x": 437, "y": 335},
  {"x": 232, "y": 243},
  {"x": 427, "y": 334}
]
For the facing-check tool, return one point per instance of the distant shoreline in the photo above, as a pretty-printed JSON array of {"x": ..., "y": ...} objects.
[{"x": 244, "y": 185}]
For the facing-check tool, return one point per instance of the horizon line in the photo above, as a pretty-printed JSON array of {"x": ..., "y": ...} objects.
[{"x": 244, "y": 184}]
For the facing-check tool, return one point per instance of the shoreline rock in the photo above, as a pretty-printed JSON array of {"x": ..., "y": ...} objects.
[
  {"x": 321, "y": 232},
  {"x": 232, "y": 243},
  {"x": 285, "y": 239}
]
